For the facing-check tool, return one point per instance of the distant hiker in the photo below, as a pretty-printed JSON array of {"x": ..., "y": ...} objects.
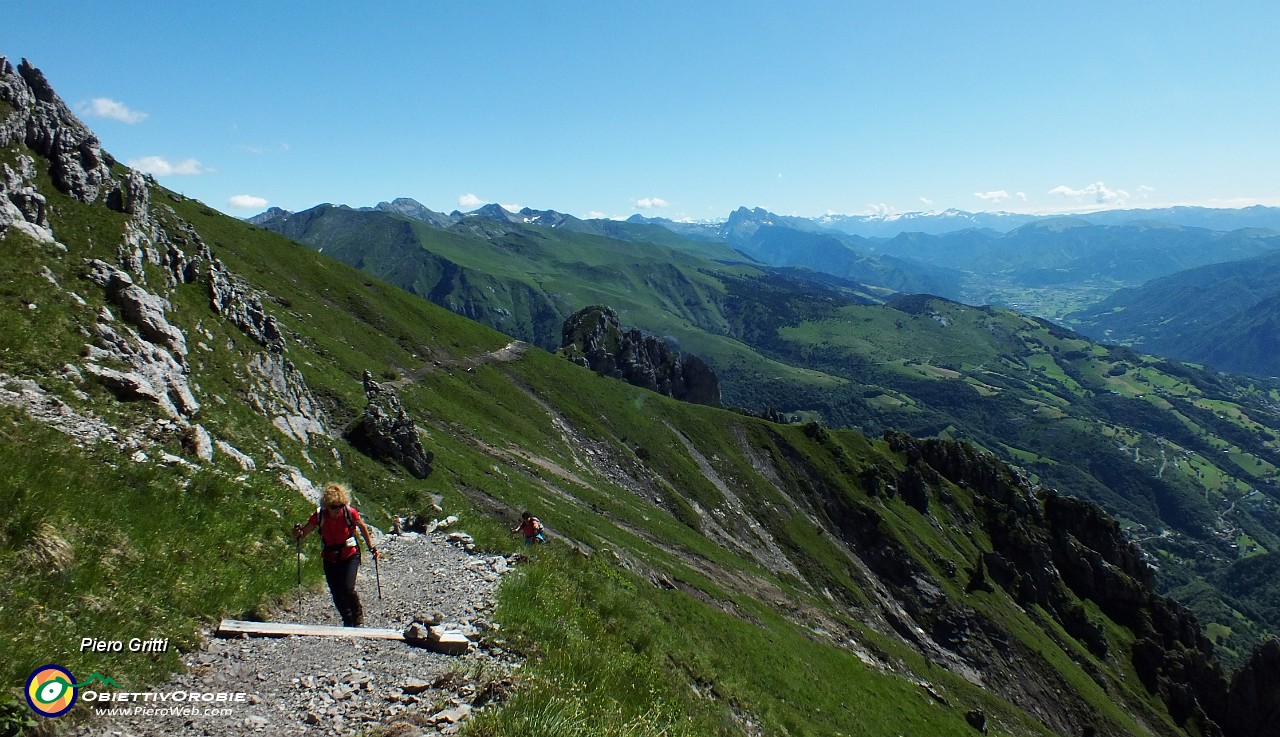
[
  {"x": 531, "y": 527},
  {"x": 338, "y": 522}
]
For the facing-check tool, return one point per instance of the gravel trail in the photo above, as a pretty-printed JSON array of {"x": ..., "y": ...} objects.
[{"x": 343, "y": 686}]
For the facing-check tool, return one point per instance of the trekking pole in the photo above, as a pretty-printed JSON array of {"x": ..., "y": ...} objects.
[{"x": 377, "y": 575}]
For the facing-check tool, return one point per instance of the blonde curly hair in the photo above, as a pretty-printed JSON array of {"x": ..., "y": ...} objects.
[{"x": 335, "y": 493}]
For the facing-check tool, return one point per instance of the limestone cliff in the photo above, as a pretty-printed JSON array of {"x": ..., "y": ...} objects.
[
  {"x": 136, "y": 348},
  {"x": 594, "y": 338}
]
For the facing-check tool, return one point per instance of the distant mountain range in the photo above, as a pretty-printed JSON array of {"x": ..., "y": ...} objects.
[
  {"x": 883, "y": 226},
  {"x": 1091, "y": 255},
  {"x": 992, "y": 259},
  {"x": 1053, "y": 267},
  {"x": 1065, "y": 251},
  {"x": 952, "y": 220}
]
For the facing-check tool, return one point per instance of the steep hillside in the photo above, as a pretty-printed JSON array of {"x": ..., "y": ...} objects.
[
  {"x": 1224, "y": 315},
  {"x": 174, "y": 379},
  {"x": 523, "y": 280},
  {"x": 1144, "y": 437}
]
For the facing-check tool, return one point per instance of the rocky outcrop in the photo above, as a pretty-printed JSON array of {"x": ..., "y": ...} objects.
[
  {"x": 140, "y": 370},
  {"x": 1095, "y": 558},
  {"x": 1253, "y": 705},
  {"x": 385, "y": 432},
  {"x": 144, "y": 359},
  {"x": 36, "y": 117},
  {"x": 1055, "y": 551},
  {"x": 593, "y": 337},
  {"x": 83, "y": 427},
  {"x": 279, "y": 391},
  {"x": 136, "y": 352},
  {"x": 42, "y": 121},
  {"x": 155, "y": 235},
  {"x": 236, "y": 302},
  {"x": 139, "y": 307},
  {"x": 21, "y": 206}
]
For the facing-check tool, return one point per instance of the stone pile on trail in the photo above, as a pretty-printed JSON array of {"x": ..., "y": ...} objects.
[{"x": 340, "y": 685}]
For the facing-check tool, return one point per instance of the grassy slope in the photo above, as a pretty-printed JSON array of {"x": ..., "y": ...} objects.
[
  {"x": 526, "y": 280},
  {"x": 1181, "y": 446},
  {"x": 800, "y": 350},
  {"x": 1056, "y": 404},
  {"x": 1222, "y": 315},
  {"x": 154, "y": 551}
]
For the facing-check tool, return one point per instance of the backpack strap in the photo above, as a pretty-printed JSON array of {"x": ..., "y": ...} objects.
[{"x": 351, "y": 526}]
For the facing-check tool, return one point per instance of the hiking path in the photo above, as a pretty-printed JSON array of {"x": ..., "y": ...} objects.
[{"x": 344, "y": 685}]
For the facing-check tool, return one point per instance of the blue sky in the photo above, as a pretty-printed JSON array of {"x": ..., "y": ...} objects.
[{"x": 676, "y": 109}]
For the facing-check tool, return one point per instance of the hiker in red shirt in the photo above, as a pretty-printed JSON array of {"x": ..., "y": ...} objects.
[
  {"x": 338, "y": 522},
  {"x": 531, "y": 527}
]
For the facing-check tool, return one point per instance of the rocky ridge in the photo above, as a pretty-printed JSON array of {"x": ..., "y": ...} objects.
[
  {"x": 136, "y": 351},
  {"x": 1047, "y": 545},
  {"x": 42, "y": 121},
  {"x": 594, "y": 338}
]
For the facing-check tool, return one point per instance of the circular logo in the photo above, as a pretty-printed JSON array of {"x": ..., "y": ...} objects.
[{"x": 51, "y": 690}]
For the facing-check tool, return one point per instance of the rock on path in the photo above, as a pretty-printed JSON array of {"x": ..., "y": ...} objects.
[{"x": 341, "y": 686}]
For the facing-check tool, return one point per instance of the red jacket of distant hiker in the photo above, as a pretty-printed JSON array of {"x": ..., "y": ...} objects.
[
  {"x": 338, "y": 533},
  {"x": 530, "y": 527}
]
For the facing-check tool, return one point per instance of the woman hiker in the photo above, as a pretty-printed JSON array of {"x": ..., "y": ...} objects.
[
  {"x": 531, "y": 527},
  {"x": 338, "y": 522}
]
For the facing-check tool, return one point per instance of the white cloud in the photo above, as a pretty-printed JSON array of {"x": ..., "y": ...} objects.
[
  {"x": 1021, "y": 195},
  {"x": 469, "y": 200},
  {"x": 1097, "y": 191},
  {"x": 596, "y": 215},
  {"x": 103, "y": 107},
  {"x": 247, "y": 202},
  {"x": 993, "y": 197},
  {"x": 927, "y": 201},
  {"x": 162, "y": 167},
  {"x": 649, "y": 203}
]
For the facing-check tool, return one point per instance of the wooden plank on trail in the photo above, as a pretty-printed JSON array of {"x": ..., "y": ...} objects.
[{"x": 282, "y": 629}]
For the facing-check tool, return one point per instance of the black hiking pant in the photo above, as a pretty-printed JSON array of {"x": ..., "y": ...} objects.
[{"x": 341, "y": 577}]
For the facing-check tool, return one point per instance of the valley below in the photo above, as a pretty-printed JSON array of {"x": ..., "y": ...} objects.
[{"x": 883, "y": 511}]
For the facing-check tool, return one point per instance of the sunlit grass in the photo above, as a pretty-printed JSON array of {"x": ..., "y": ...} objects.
[{"x": 102, "y": 547}]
